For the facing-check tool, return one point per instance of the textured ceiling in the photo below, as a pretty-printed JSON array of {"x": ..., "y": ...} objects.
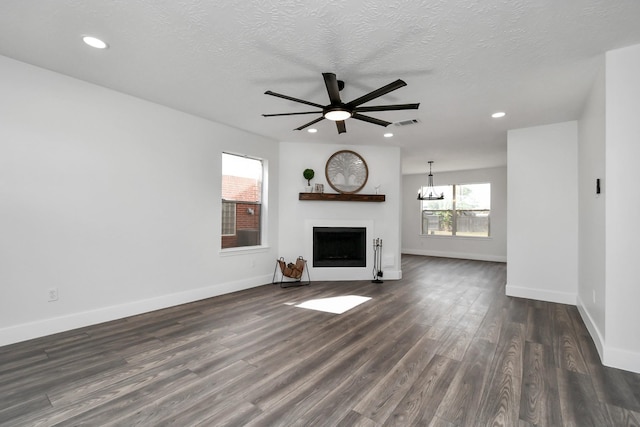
[{"x": 462, "y": 60}]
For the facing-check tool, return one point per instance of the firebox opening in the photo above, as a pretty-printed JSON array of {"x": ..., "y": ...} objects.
[{"x": 339, "y": 247}]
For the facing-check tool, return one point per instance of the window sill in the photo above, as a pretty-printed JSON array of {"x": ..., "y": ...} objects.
[
  {"x": 243, "y": 250},
  {"x": 435, "y": 236}
]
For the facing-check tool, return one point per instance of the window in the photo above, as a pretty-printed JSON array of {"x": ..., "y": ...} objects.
[
  {"x": 241, "y": 201},
  {"x": 228, "y": 218},
  {"x": 467, "y": 214}
]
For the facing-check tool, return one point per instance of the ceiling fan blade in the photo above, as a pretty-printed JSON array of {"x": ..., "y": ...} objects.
[
  {"x": 377, "y": 93},
  {"x": 387, "y": 108},
  {"x": 370, "y": 120},
  {"x": 333, "y": 90},
  {"x": 290, "y": 98},
  {"x": 310, "y": 123},
  {"x": 292, "y": 114},
  {"x": 342, "y": 128}
]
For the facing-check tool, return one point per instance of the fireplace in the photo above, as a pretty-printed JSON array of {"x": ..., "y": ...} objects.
[{"x": 339, "y": 247}]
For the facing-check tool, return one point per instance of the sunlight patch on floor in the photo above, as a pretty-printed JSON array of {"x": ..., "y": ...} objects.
[{"x": 336, "y": 305}]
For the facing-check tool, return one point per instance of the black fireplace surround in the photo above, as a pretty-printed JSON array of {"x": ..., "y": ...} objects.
[{"x": 339, "y": 247}]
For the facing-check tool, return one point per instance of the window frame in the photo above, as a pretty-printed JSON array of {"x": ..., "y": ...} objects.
[
  {"x": 238, "y": 204},
  {"x": 452, "y": 189}
]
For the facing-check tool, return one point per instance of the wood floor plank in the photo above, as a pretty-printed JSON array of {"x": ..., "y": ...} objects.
[
  {"x": 293, "y": 399},
  {"x": 386, "y": 394},
  {"x": 578, "y": 401},
  {"x": 518, "y": 309},
  {"x": 22, "y": 361},
  {"x": 439, "y": 422},
  {"x": 565, "y": 346},
  {"x": 12, "y": 379},
  {"x": 633, "y": 381},
  {"x": 470, "y": 295},
  {"x": 22, "y": 388},
  {"x": 180, "y": 399},
  {"x": 225, "y": 395},
  {"x": 455, "y": 343},
  {"x": 539, "y": 326},
  {"x": 421, "y": 401},
  {"x": 461, "y": 402},
  {"x": 237, "y": 414},
  {"x": 610, "y": 385},
  {"x": 500, "y": 405},
  {"x": 443, "y": 347},
  {"x": 10, "y": 411},
  {"x": 539, "y": 401},
  {"x": 623, "y": 417},
  {"x": 132, "y": 375},
  {"x": 330, "y": 409},
  {"x": 447, "y": 319},
  {"x": 491, "y": 325},
  {"x": 128, "y": 403},
  {"x": 74, "y": 404},
  {"x": 354, "y": 419}
]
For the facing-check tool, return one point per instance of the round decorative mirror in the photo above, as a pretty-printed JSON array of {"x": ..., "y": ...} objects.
[{"x": 346, "y": 172}]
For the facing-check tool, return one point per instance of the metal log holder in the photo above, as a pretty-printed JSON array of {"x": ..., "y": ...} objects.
[{"x": 293, "y": 271}]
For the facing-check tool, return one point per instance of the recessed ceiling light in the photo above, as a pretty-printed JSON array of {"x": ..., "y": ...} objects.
[
  {"x": 388, "y": 135},
  {"x": 498, "y": 114},
  {"x": 94, "y": 42},
  {"x": 312, "y": 130}
]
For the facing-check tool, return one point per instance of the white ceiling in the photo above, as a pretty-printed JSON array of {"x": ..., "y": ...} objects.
[{"x": 462, "y": 60}]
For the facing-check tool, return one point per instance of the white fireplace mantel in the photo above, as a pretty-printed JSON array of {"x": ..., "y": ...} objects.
[{"x": 339, "y": 273}]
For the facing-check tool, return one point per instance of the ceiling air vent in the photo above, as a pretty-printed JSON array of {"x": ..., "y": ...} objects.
[{"x": 407, "y": 122}]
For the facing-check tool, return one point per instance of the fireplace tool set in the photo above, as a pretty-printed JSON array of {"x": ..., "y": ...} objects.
[{"x": 377, "y": 260}]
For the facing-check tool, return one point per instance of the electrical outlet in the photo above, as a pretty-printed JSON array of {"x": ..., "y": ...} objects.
[{"x": 53, "y": 294}]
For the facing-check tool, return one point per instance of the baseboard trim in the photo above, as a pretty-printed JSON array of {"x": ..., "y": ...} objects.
[
  {"x": 41, "y": 328},
  {"x": 459, "y": 255},
  {"x": 541, "y": 295},
  {"x": 391, "y": 275},
  {"x": 621, "y": 359},
  {"x": 596, "y": 336}
]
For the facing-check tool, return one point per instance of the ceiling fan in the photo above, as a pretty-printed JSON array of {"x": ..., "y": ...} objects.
[{"x": 339, "y": 111}]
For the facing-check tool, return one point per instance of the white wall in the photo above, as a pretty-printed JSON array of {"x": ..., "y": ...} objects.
[
  {"x": 297, "y": 217},
  {"x": 542, "y": 231},
  {"x": 591, "y": 247},
  {"x": 608, "y": 288},
  {"x": 113, "y": 200},
  {"x": 493, "y": 248},
  {"x": 622, "y": 208}
]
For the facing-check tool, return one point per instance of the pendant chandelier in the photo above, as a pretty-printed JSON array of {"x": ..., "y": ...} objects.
[{"x": 430, "y": 192}]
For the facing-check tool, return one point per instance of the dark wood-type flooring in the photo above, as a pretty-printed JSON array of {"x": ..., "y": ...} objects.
[{"x": 442, "y": 347}]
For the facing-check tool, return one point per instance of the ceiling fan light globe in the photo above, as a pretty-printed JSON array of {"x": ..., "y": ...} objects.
[{"x": 337, "y": 114}]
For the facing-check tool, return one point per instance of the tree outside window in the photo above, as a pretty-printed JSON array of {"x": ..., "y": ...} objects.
[{"x": 467, "y": 214}]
